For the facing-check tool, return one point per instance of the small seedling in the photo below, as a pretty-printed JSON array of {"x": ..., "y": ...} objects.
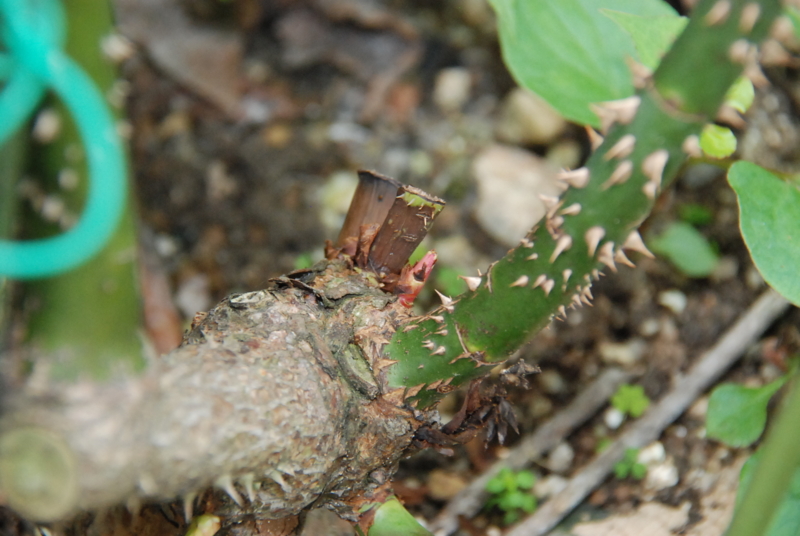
[
  {"x": 511, "y": 493},
  {"x": 629, "y": 467},
  {"x": 630, "y": 400}
]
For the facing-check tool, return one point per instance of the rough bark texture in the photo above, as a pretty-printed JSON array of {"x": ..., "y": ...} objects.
[{"x": 273, "y": 390}]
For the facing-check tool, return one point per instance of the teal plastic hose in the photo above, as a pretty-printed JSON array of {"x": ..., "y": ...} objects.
[{"x": 39, "y": 59}]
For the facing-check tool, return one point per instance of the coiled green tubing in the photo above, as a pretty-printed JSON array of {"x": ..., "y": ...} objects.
[{"x": 32, "y": 32}]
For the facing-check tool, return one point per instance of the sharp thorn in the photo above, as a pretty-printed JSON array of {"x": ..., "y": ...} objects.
[
  {"x": 782, "y": 29},
  {"x": 691, "y": 146},
  {"x": 641, "y": 73},
  {"x": 624, "y": 147},
  {"x": 593, "y": 236},
  {"x": 620, "y": 174},
  {"x": 606, "y": 255},
  {"x": 248, "y": 479},
  {"x": 520, "y": 282},
  {"x": 576, "y": 300},
  {"x": 472, "y": 282},
  {"x": 619, "y": 256},
  {"x": 621, "y": 111},
  {"x": 740, "y": 51},
  {"x": 437, "y": 318},
  {"x": 577, "y": 178},
  {"x": 562, "y": 311},
  {"x": 566, "y": 274},
  {"x": 634, "y": 242},
  {"x": 653, "y": 166},
  {"x": 718, "y": 13},
  {"x": 225, "y": 483},
  {"x": 750, "y": 14},
  {"x": 532, "y": 257},
  {"x": 447, "y": 302},
  {"x": 188, "y": 505},
  {"x": 526, "y": 242},
  {"x": 439, "y": 351},
  {"x": 539, "y": 281},
  {"x": 547, "y": 286},
  {"x": 550, "y": 202},
  {"x": 429, "y": 345},
  {"x": 562, "y": 244},
  {"x": 595, "y": 139},
  {"x": 650, "y": 189},
  {"x": 573, "y": 210}
]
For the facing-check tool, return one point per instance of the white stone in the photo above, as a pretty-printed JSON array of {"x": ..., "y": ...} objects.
[
  {"x": 674, "y": 300},
  {"x": 549, "y": 486},
  {"x": 561, "y": 458},
  {"x": 661, "y": 476},
  {"x": 652, "y": 454},
  {"x": 509, "y": 181},
  {"x": 193, "y": 295},
  {"x": 526, "y": 119},
  {"x": 622, "y": 353},
  {"x": 451, "y": 88},
  {"x": 613, "y": 418}
]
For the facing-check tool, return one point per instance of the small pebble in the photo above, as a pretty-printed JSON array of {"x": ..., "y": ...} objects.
[
  {"x": 561, "y": 458},
  {"x": 613, "y": 418},
  {"x": 652, "y": 454},
  {"x": 117, "y": 48},
  {"x": 661, "y": 476},
  {"x": 509, "y": 182},
  {"x": 527, "y": 119},
  {"x": 549, "y": 486},
  {"x": 47, "y": 126},
  {"x": 451, "y": 89},
  {"x": 726, "y": 269},
  {"x": 622, "y": 353},
  {"x": 193, "y": 295},
  {"x": 68, "y": 179},
  {"x": 444, "y": 485},
  {"x": 551, "y": 382},
  {"x": 166, "y": 245},
  {"x": 674, "y": 300},
  {"x": 699, "y": 409},
  {"x": 52, "y": 208},
  {"x": 649, "y": 327}
]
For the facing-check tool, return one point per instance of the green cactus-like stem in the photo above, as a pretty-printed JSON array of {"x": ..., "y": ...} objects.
[{"x": 589, "y": 228}]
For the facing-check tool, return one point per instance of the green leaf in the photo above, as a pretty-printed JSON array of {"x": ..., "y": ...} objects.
[
  {"x": 717, "y": 141},
  {"x": 695, "y": 214},
  {"x": 568, "y": 52},
  {"x": 631, "y": 400},
  {"x": 769, "y": 217},
  {"x": 392, "y": 519},
  {"x": 737, "y": 414},
  {"x": 638, "y": 471},
  {"x": 525, "y": 479},
  {"x": 529, "y": 503},
  {"x": 741, "y": 94},
  {"x": 496, "y": 485},
  {"x": 686, "y": 248},
  {"x": 652, "y": 36}
]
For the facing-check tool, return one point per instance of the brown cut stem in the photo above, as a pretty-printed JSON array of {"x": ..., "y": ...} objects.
[{"x": 371, "y": 202}]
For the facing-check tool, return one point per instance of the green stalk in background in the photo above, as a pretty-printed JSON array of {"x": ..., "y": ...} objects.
[
  {"x": 593, "y": 226},
  {"x": 778, "y": 463},
  {"x": 12, "y": 158},
  {"x": 86, "y": 320}
]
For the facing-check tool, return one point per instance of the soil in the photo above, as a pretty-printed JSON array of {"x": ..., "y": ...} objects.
[{"x": 236, "y": 196}]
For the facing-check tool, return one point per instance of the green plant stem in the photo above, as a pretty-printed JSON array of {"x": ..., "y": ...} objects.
[
  {"x": 587, "y": 229},
  {"x": 12, "y": 158},
  {"x": 89, "y": 318},
  {"x": 779, "y": 458}
]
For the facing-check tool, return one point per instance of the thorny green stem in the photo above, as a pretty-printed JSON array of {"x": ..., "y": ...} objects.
[{"x": 594, "y": 223}]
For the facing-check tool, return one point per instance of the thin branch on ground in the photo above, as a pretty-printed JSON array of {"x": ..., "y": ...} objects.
[
  {"x": 686, "y": 388},
  {"x": 472, "y": 498}
]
